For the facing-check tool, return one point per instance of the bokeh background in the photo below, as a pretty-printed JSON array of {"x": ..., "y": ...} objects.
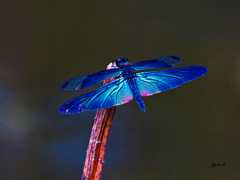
[{"x": 44, "y": 43}]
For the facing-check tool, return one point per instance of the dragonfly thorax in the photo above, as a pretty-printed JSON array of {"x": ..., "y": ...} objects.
[{"x": 122, "y": 61}]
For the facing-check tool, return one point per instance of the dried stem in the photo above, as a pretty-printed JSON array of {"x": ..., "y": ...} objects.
[{"x": 98, "y": 140}]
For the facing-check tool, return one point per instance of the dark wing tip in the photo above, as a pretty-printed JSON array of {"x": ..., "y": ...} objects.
[
  {"x": 203, "y": 70},
  {"x": 173, "y": 60},
  {"x": 176, "y": 58},
  {"x": 169, "y": 61},
  {"x": 63, "y": 110},
  {"x": 73, "y": 84},
  {"x": 197, "y": 71},
  {"x": 65, "y": 85},
  {"x": 69, "y": 108}
]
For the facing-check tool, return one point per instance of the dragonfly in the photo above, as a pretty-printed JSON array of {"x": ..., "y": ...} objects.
[{"x": 130, "y": 84}]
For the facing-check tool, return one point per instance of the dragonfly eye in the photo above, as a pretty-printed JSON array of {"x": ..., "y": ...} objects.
[{"x": 122, "y": 61}]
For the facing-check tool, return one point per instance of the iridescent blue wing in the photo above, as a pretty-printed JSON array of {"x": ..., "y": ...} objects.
[
  {"x": 153, "y": 82},
  {"x": 162, "y": 62},
  {"x": 112, "y": 94},
  {"x": 85, "y": 81}
]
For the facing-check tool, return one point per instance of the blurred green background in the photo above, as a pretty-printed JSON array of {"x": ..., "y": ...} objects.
[{"x": 44, "y": 43}]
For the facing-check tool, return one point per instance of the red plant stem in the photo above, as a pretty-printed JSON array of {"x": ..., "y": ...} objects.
[{"x": 98, "y": 140}]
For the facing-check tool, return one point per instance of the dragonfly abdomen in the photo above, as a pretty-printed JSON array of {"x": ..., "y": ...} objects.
[{"x": 133, "y": 86}]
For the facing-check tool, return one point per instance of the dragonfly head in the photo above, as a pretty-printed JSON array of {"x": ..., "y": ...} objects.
[{"x": 122, "y": 61}]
